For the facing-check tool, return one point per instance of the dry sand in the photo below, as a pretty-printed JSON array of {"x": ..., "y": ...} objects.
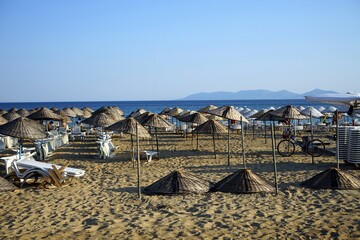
[{"x": 104, "y": 205}]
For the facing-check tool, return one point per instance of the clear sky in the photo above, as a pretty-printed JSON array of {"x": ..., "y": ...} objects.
[{"x": 160, "y": 50}]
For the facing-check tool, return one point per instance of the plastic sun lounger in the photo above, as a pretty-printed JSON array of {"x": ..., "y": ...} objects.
[{"x": 150, "y": 154}]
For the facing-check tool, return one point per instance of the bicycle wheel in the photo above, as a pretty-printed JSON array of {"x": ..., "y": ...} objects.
[
  {"x": 316, "y": 148},
  {"x": 286, "y": 148}
]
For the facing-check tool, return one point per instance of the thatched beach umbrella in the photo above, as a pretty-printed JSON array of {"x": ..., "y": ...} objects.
[
  {"x": 23, "y": 128},
  {"x": 129, "y": 126},
  {"x": 288, "y": 112},
  {"x": 207, "y": 109},
  {"x": 88, "y": 109},
  {"x": 156, "y": 121},
  {"x": 143, "y": 117},
  {"x": 165, "y": 111},
  {"x": 137, "y": 112},
  {"x": 23, "y": 112},
  {"x": 230, "y": 113},
  {"x": 45, "y": 114},
  {"x": 175, "y": 112},
  {"x": 10, "y": 116},
  {"x": 3, "y": 120},
  {"x": 100, "y": 120},
  {"x": 243, "y": 181},
  {"x": 6, "y": 185},
  {"x": 2, "y": 111},
  {"x": 178, "y": 182},
  {"x": 333, "y": 178},
  {"x": 64, "y": 116},
  {"x": 311, "y": 111},
  {"x": 12, "y": 110},
  {"x": 197, "y": 118},
  {"x": 77, "y": 111},
  {"x": 69, "y": 112},
  {"x": 211, "y": 127}
]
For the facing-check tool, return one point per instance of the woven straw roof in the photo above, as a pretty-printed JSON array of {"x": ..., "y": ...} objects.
[
  {"x": 23, "y": 128},
  {"x": 229, "y": 112},
  {"x": 194, "y": 118},
  {"x": 6, "y": 185},
  {"x": 155, "y": 120},
  {"x": 77, "y": 111},
  {"x": 2, "y": 111},
  {"x": 10, "y": 116},
  {"x": 87, "y": 113},
  {"x": 211, "y": 126},
  {"x": 12, "y": 110},
  {"x": 178, "y": 182},
  {"x": 259, "y": 113},
  {"x": 175, "y": 111},
  {"x": 23, "y": 112},
  {"x": 143, "y": 117},
  {"x": 129, "y": 126},
  {"x": 243, "y": 181},
  {"x": 165, "y": 111},
  {"x": 137, "y": 113},
  {"x": 207, "y": 108},
  {"x": 45, "y": 114},
  {"x": 100, "y": 120},
  {"x": 333, "y": 178},
  {"x": 69, "y": 112},
  {"x": 114, "y": 112},
  {"x": 267, "y": 116},
  {"x": 288, "y": 112},
  {"x": 88, "y": 109},
  {"x": 3, "y": 120}
]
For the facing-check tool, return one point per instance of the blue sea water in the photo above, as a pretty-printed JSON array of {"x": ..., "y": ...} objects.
[{"x": 157, "y": 106}]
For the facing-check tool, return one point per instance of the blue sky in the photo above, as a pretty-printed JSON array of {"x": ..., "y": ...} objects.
[{"x": 159, "y": 50}]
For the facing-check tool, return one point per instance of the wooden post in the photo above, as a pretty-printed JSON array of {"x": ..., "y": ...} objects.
[
  {"x": 311, "y": 136},
  {"x": 197, "y": 141},
  {"x": 253, "y": 129},
  {"x": 337, "y": 140},
  {"x": 242, "y": 143},
  {"x": 265, "y": 133},
  {"x": 157, "y": 143},
  {"x": 274, "y": 157},
  {"x": 214, "y": 144},
  {"x": 138, "y": 161},
  {"x": 229, "y": 141},
  {"x": 132, "y": 151}
]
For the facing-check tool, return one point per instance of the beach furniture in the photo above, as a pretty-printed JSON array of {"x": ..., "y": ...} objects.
[
  {"x": 27, "y": 167},
  {"x": 149, "y": 155},
  {"x": 76, "y": 133}
]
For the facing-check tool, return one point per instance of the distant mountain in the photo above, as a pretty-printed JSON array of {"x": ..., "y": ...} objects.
[{"x": 253, "y": 94}]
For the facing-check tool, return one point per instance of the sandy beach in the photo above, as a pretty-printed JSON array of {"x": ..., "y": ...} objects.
[{"x": 104, "y": 203}]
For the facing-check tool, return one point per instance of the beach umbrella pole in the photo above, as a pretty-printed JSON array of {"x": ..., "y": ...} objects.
[
  {"x": 197, "y": 141},
  {"x": 132, "y": 151},
  {"x": 337, "y": 140},
  {"x": 213, "y": 135},
  {"x": 228, "y": 142},
  {"x": 265, "y": 133},
  {"x": 157, "y": 143},
  {"x": 242, "y": 143},
  {"x": 138, "y": 161},
  {"x": 312, "y": 136},
  {"x": 274, "y": 157},
  {"x": 253, "y": 130}
]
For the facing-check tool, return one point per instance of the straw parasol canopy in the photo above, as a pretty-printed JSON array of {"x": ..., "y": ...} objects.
[
  {"x": 3, "y": 120},
  {"x": 137, "y": 113},
  {"x": 228, "y": 112},
  {"x": 45, "y": 114},
  {"x": 333, "y": 178},
  {"x": 54, "y": 109},
  {"x": 184, "y": 114},
  {"x": 128, "y": 125},
  {"x": 6, "y": 185},
  {"x": 23, "y": 112},
  {"x": 288, "y": 112},
  {"x": 243, "y": 181},
  {"x": 12, "y": 110},
  {"x": 113, "y": 112},
  {"x": 211, "y": 127},
  {"x": 88, "y": 109},
  {"x": 100, "y": 120},
  {"x": 64, "y": 116},
  {"x": 175, "y": 112},
  {"x": 10, "y": 116},
  {"x": 23, "y": 128},
  {"x": 154, "y": 120},
  {"x": 143, "y": 117},
  {"x": 312, "y": 111},
  {"x": 2, "y": 111},
  {"x": 69, "y": 112},
  {"x": 207, "y": 108},
  {"x": 194, "y": 118},
  {"x": 165, "y": 111},
  {"x": 178, "y": 182},
  {"x": 268, "y": 116},
  {"x": 87, "y": 113},
  {"x": 77, "y": 111}
]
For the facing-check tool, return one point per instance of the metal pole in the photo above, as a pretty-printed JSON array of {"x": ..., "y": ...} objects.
[
  {"x": 274, "y": 157},
  {"x": 138, "y": 161},
  {"x": 242, "y": 143}
]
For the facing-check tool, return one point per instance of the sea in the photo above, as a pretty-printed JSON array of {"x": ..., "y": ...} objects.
[{"x": 158, "y": 106}]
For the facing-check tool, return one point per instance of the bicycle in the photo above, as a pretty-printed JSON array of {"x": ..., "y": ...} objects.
[{"x": 315, "y": 147}]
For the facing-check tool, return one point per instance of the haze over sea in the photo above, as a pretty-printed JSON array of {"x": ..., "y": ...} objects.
[{"x": 157, "y": 106}]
